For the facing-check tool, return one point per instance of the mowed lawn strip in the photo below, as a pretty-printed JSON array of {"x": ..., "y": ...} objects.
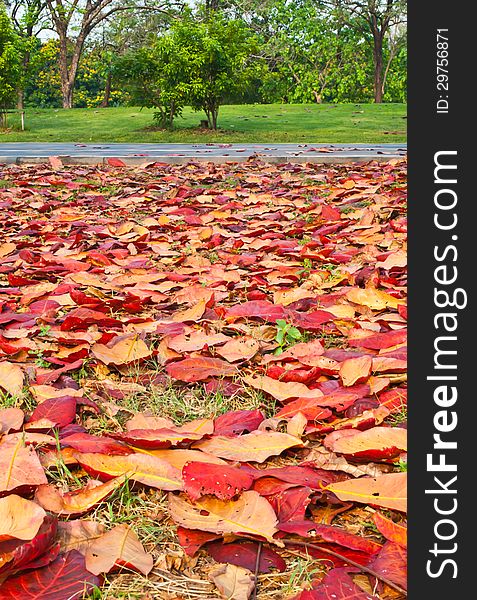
[{"x": 260, "y": 123}]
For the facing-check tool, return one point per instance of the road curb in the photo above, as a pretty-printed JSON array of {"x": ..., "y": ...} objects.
[{"x": 134, "y": 161}]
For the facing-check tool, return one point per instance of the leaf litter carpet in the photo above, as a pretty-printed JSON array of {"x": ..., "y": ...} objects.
[{"x": 203, "y": 381}]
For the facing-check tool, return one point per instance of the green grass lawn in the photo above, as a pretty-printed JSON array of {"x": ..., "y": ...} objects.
[{"x": 326, "y": 123}]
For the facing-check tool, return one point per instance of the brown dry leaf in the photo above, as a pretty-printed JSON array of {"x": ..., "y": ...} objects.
[
  {"x": 388, "y": 491},
  {"x": 146, "y": 420},
  {"x": 19, "y": 518},
  {"x": 250, "y": 514},
  {"x": 11, "y": 378},
  {"x": 19, "y": 464},
  {"x": 256, "y": 446},
  {"x": 354, "y": 370},
  {"x": 324, "y": 459},
  {"x": 242, "y": 348},
  {"x": 233, "y": 582},
  {"x": 118, "y": 547},
  {"x": 78, "y": 534},
  {"x": 195, "y": 341},
  {"x": 372, "y": 298},
  {"x": 281, "y": 390},
  {"x": 121, "y": 350}
]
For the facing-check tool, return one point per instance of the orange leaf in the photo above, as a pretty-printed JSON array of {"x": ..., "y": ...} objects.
[
  {"x": 394, "y": 532},
  {"x": 19, "y": 518},
  {"x": 281, "y": 390},
  {"x": 388, "y": 491},
  {"x": 355, "y": 370},
  {"x": 11, "y": 378},
  {"x": 121, "y": 350},
  {"x": 249, "y": 514},
  {"x": 145, "y": 468},
  {"x": 79, "y": 501},
  {"x": 256, "y": 446},
  {"x": 19, "y": 464}
]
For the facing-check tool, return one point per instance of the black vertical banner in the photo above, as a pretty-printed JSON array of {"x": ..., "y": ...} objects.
[{"x": 442, "y": 266}]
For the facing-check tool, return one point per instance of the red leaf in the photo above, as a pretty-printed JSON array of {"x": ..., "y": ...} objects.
[
  {"x": 193, "y": 539},
  {"x": 330, "y": 533},
  {"x": 262, "y": 309},
  {"x": 308, "y": 407},
  {"x": 377, "y": 443},
  {"x": 155, "y": 439},
  {"x": 236, "y": 422},
  {"x": 115, "y": 162},
  {"x": 199, "y": 369},
  {"x": 63, "y": 579},
  {"x": 60, "y": 411},
  {"x": 244, "y": 554},
  {"x": 290, "y": 505},
  {"x": 299, "y": 476},
  {"x": 394, "y": 400},
  {"x": 84, "y": 442},
  {"x": 52, "y": 376},
  {"x": 391, "y": 563},
  {"x": 23, "y": 553},
  {"x": 379, "y": 341},
  {"x": 222, "y": 481},
  {"x": 336, "y": 585}
]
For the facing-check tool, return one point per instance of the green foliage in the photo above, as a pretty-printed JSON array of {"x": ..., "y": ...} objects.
[
  {"x": 287, "y": 335},
  {"x": 10, "y": 61},
  {"x": 198, "y": 62},
  {"x": 216, "y": 57},
  {"x": 155, "y": 78}
]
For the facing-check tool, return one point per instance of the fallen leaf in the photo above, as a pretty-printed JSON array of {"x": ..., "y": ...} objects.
[
  {"x": 388, "y": 491},
  {"x": 118, "y": 547},
  {"x": 121, "y": 350},
  {"x": 78, "y": 534},
  {"x": 11, "y": 378},
  {"x": 233, "y": 582},
  {"x": 144, "y": 468},
  {"x": 63, "y": 579},
  {"x": 280, "y": 390},
  {"x": 256, "y": 446},
  {"x": 221, "y": 481},
  {"x": 244, "y": 554},
  {"x": 77, "y": 502},
  {"x": 394, "y": 532},
  {"x": 200, "y": 369},
  {"x": 19, "y": 518},
  {"x": 250, "y": 514},
  {"x": 19, "y": 465}
]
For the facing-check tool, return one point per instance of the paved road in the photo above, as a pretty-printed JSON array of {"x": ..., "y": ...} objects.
[{"x": 136, "y": 153}]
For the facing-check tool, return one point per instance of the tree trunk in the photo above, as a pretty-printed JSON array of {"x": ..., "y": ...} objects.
[
  {"x": 107, "y": 91},
  {"x": 68, "y": 72},
  {"x": 378, "y": 66},
  {"x": 20, "y": 100}
]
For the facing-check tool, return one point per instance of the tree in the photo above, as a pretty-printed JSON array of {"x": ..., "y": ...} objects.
[
  {"x": 310, "y": 57},
  {"x": 218, "y": 57},
  {"x": 10, "y": 62},
  {"x": 377, "y": 18},
  {"x": 84, "y": 16},
  {"x": 29, "y": 18},
  {"x": 155, "y": 77}
]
